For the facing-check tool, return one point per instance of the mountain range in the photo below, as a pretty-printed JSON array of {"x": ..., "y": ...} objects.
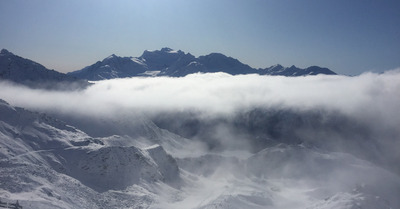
[
  {"x": 164, "y": 62},
  {"x": 169, "y": 62}
]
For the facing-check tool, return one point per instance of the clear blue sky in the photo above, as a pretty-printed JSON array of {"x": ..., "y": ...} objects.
[{"x": 347, "y": 36}]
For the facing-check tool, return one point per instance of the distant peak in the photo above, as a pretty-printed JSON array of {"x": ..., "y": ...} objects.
[
  {"x": 111, "y": 57},
  {"x": 214, "y": 54},
  {"x": 277, "y": 66},
  {"x": 170, "y": 51},
  {"x": 166, "y": 49},
  {"x": 5, "y": 51},
  {"x": 163, "y": 51}
]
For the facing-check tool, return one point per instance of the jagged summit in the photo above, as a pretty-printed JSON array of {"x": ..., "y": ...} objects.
[
  {"x": 176, "y": 63},
  {"x": 169, "y": 50},
  {"x": 294, "y": 71},
  {"x": 112, "y": 66},
  {"x": 110, "y": 57},
  {"x": 163, "y": 51}
]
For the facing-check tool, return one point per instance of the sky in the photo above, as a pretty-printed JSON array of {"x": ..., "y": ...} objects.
[{"x": 349, "y": 37}]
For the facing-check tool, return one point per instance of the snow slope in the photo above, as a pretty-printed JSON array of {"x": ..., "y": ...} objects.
[{"x": 46, "y": 163}]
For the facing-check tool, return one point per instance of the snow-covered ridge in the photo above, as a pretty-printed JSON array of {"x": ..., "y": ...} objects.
[
  {"x": 177, "y": 63},
  {"x": 164, "y": 62}
]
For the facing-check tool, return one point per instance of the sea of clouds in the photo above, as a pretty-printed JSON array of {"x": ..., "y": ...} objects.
[
  {"x": 366, "y": 106},
  {"x": 218, "y": 93},
  {"x": 370, "y": 99}
]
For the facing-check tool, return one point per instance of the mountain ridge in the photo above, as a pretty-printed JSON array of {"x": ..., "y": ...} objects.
[
  {"x": 164, "y": 62},
  {"x": 176, "y": 63},
  {"x": 32, "y": 74}
]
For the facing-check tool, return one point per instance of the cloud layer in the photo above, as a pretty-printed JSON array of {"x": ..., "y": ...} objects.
[
  {"x": 370, "y": 98},
  {"x": 220, "y": 93}
]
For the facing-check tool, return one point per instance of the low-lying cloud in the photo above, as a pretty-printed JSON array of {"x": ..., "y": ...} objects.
[
  {"x": 220, "y": 93},
  {"x": 370, "y": 99},
  {"x": 368, "y": 96}
]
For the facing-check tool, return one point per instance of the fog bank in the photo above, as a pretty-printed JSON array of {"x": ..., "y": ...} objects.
[
  {"x": 220, "y": 93},
  {"x": 340, "y": 110}
]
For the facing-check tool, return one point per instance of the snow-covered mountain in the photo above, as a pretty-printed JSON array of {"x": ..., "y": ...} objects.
[
  {"x": 294, "y": 71},
  {"x": 164, "y": 62},
  {"x": 112, "y": 67},
  {"x": 47, "y": 163},
  {"x": 27, "y": 72},
  {"x": 168, "y": 62}
]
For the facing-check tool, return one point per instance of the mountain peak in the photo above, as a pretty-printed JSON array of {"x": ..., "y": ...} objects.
[
  {"x": 277, "y": 66},
  {"x": 111, "y": 57},
  {"x": 166, "y": 49},
  {"x": 5, "y": 51},
  {"x": 215, "y": 54}
]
